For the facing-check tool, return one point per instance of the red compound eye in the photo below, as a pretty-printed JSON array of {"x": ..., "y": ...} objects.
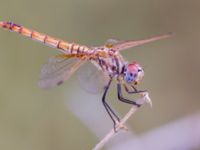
[
  {"x": 133, "y": 73},
  {"x": 133, "y": 67}
]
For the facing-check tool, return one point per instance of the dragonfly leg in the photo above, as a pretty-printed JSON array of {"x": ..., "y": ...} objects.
[
  {"x": 109, "y": 110},
  {"x": 135, "y": 91},
  {"x": 121, "y": 98}
]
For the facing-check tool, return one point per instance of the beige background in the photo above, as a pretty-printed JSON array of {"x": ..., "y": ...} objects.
[{"x": 32, "y": 118}]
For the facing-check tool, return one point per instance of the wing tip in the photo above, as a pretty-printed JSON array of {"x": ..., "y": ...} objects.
[{"x": 47, "y": 85}]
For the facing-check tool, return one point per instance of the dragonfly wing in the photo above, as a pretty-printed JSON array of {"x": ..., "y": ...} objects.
[
  {"x": 57, "y": 70},
  {"x": 92, "y": 78},
  {"x": 112, "y": 42},
  {"x": 123, "y": 45}
]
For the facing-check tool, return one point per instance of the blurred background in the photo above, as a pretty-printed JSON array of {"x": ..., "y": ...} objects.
[{"x": 67, "y": 117}]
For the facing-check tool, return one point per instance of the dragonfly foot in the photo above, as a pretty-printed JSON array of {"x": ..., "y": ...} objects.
[{"x": 118, "y": 125}]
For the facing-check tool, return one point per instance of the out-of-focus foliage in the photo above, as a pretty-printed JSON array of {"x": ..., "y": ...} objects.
[{"x": 32, "y": 118}]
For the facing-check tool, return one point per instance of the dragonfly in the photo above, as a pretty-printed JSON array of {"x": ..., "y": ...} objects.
[{"x": 106, "y": 65}]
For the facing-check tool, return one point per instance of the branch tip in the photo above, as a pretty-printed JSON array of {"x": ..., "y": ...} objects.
[{"x": 120, "y": 125}]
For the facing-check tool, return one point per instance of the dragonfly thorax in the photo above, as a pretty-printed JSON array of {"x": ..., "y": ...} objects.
[
  {"x": 112, "y": 64},
  {"x": 133, "y": 73}
]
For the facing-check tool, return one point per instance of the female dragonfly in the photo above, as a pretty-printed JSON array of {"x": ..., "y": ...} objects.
[{"x": 108, "y": 62}]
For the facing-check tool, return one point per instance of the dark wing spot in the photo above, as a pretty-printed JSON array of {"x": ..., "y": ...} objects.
[{"x": 60, "y": 82}]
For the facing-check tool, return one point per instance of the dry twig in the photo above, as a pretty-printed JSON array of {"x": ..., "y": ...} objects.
[{"x": 120, "y": 125}]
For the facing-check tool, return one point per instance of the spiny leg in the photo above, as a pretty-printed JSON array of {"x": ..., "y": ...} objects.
[
  {"x": 109, "y": 110},
  {"x": 135, "y": 91},
  {"x": 121, "y": 98}
]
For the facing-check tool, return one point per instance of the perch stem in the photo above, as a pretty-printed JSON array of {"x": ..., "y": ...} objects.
[{"x": 120, "y": 125}]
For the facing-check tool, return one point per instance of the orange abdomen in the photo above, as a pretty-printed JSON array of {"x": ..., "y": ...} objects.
[{"x": 67, "y": 48}]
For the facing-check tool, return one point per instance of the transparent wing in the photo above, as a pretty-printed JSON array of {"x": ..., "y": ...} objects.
[
  {"x": 123, "y": 45},
  {"x": 91, "y": 78},
  {"x": 112, "y": 42},
  {"x": 57, "y": 70}
]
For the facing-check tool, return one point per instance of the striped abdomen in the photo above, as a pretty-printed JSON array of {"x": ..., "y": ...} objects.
[{"x": 68, "y": 48}]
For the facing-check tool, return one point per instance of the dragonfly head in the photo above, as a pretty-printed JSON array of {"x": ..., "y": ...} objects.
[{"x": 133, "y": 73}]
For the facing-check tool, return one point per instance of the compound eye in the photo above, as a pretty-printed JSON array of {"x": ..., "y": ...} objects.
[
  {"x": 133, "y": 75},
  {"x": 129, "y": 77}
]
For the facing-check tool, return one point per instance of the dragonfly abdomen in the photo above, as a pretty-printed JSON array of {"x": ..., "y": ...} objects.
[{"x": 68, "y": 48}]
